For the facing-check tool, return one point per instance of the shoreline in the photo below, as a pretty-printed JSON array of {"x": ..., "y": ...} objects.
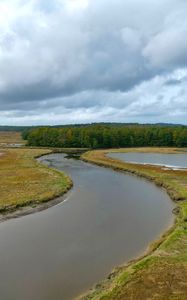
[
  {"x": 160, "y": 165},
  {"x": 37, "y": 206},
  {"x": 34, "y": 208},
  {"x": 110, "y": 284}
]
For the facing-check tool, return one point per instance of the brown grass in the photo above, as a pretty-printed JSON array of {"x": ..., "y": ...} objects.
[
  {"x": 162, "y": 150},
  {"x": 162, "y": 274},
  {"x": 7, "y": 137},
  {"x": 25, "y": 181}
]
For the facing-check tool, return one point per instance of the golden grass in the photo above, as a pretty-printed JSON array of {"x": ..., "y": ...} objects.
[
  {"x": 162, "y": 273},
  {"x": 8, "y": 137},
  {"x": 166, "y": 150},
  {"x": 25, "y": 181}
]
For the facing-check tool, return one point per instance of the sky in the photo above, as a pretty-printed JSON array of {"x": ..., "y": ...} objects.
[{"x": 83, "y": 61}]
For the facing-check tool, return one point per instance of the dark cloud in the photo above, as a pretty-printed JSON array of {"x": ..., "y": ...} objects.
[{"x": 112, "y": 61}]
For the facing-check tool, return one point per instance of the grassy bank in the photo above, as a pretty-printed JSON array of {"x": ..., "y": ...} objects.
[
  {"x": 8, "y": 138},
  {"x": 24, "y": 181},
  {"x": 162, "y": 273}
]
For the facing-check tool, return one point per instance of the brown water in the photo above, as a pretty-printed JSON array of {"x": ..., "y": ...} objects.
[
  {"x": 174, "y": 161},
  {"x": 58, "y": 253}
]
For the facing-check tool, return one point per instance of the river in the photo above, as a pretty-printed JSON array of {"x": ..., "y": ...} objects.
[{"x": 107, "y": 219}]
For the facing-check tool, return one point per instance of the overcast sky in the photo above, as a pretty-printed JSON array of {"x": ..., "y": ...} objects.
[{"x": 79, "y": 61}]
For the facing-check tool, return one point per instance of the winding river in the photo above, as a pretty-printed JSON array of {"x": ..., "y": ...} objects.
[{"x": 107, "y": 219}]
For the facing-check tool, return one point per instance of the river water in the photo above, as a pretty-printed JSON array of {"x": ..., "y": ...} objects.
[
  {"x": 107, "y": 219},
  {"x": 174, "y": 161}
]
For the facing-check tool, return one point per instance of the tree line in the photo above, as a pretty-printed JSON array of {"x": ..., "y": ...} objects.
[{"x": 107, "y": 136}]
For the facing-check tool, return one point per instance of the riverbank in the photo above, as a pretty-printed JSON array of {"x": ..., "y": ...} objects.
[
  {"x": 26, "y": 185},
  {"x": 162, "y": 273},
  {"x": 11, "y": 139}
]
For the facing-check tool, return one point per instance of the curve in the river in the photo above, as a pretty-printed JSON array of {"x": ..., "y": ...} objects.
[{"x": 58, "y": 253}]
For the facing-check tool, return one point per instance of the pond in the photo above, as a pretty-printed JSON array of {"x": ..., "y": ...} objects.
[
  {"x": 173, "y": 161},
  {"x": 107, "y": 219}
]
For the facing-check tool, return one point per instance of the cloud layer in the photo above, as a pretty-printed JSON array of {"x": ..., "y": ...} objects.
[{"x": 85, "y": 61}]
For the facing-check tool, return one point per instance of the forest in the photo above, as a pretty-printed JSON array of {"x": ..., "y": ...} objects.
[{"x": 107, "y": 136}]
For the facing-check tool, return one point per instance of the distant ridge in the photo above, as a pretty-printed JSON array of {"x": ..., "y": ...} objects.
[{"x": 22, "y": 128}]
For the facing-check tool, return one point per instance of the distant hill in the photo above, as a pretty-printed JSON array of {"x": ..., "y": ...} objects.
[
  {"x": 22, "y": 128},
  {"x": 13, "y": 128}
]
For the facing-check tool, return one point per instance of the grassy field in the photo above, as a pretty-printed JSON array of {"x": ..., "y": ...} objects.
[
  {"x": 24, "y": 181},
  {"x": 162, "y": 273},
  {"x": 7, "y": 137},
  {"x": 151, "y": 150}
]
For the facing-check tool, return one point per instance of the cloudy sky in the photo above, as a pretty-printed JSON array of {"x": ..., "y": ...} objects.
[{"x": 79, "y": 61}]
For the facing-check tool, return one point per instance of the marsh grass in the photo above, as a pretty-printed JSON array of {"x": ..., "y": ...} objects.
[
  {"x": 162, "y": 273},
  {"x": 24, "y": 181},
  {"x": 8, "y": 137}
]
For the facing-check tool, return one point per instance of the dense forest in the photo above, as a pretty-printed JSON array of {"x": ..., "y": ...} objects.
[{"x": 107, "y": 136}]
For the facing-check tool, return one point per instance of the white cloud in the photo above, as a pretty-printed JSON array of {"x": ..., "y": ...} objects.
[
  {"x": 76, "y": 5},
  {"x": 167, "y": 48}
]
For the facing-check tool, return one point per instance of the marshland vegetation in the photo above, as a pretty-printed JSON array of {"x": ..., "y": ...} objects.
[{"x": 24, "y": 181}]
